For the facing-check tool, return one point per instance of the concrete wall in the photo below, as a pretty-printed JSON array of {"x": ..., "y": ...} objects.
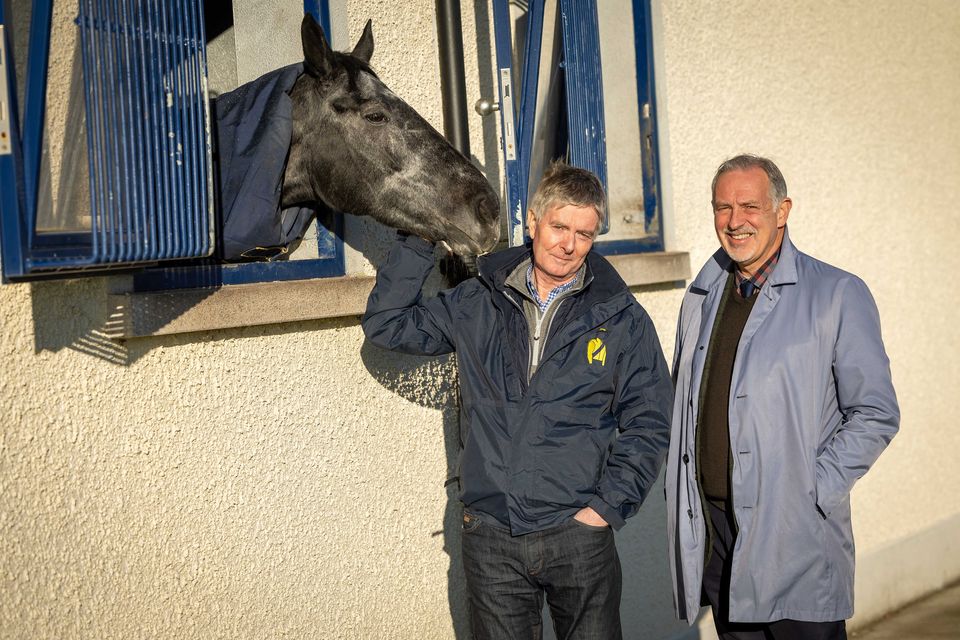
[{"x": 287, "y": 480}]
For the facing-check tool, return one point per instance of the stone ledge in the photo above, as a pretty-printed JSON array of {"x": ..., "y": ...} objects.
[
  {"x": 652, "y": 268},
  {"x": 155, "y": 313}
]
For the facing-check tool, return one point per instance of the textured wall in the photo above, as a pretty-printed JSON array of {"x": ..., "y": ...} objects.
[
  {"x": 287, "y": 481},
  {"x": 856, "y": 103}
]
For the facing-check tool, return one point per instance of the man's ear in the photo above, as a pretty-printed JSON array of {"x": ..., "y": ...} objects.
[
  {"x": 784, "y": 212},
  {"x": 531, "y": 224}
]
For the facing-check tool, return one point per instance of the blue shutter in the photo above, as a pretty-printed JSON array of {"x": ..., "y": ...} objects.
[{"x": 148, "y": 141}]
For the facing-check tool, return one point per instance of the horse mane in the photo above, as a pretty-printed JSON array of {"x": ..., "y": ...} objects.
[{"x": 353, "y": 67}]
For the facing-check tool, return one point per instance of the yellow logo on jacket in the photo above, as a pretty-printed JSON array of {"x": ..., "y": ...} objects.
[{"x": 597, "y": 351}]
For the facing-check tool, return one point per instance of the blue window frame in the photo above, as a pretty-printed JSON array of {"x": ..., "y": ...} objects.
[
  {"x": 150, "y": 176},
  {"x": 579, "y": 132}
]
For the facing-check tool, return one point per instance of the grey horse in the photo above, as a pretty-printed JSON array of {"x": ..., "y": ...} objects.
[{"x": 357, "y": 147}]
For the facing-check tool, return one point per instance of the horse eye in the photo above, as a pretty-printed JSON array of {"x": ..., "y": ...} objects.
[{"x": 375, "y": 117}]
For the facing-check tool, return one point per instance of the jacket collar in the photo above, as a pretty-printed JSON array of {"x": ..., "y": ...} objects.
[
  {"x": 600, "y": 282},
  {"x": 714, "y": 273}
]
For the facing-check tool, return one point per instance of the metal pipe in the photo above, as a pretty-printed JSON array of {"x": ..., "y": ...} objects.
[{"x": 452, "y": 77}]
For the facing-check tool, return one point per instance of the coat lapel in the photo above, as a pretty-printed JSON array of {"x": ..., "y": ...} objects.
[{"x": 785, "y": 273}]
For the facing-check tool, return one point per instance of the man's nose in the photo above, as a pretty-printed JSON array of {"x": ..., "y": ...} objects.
[
  {"x": 568, "y": 242},
  {"x": 737, "y": 218}
]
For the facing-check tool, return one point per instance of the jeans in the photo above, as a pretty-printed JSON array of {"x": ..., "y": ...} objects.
[
  {"x": 574, "y": 564},
  {"x": 716, "y": 588}
]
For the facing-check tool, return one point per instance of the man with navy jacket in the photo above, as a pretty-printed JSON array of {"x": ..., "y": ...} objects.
[{"x": 564, "y": 416}]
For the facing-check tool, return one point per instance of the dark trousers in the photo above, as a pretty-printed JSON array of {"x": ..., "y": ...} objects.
[
  {"x": 575, "y": 565},
  {"x": 716, "y": 588}
]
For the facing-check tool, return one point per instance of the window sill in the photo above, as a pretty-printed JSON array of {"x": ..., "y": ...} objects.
[{"x": 155, "y": 313}]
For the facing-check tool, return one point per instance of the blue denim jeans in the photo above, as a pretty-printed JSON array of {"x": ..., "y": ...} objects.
[{"x": 575, "y": 565}]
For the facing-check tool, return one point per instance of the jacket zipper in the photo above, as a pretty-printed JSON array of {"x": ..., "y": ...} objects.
[{"x": 537, "y": 347}]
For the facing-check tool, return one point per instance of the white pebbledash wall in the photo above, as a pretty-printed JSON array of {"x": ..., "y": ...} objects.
[{"x": 287, "y": 480}]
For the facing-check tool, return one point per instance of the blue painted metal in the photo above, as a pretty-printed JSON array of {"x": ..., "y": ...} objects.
[
  {"x": 216, "y": 275},
  {"x": 584, "y": 95},
  {"x": 147, "y": 138},
  {"x": 331, "y": 261},
  {"x": 35, "y": 103},
  {"x": 147, "y": 130},
  {"x": 620, "y": 247},
  {"x": 584, "y": 87},
  {"x": 148, "y": 141},
  {"x": 647, "y": 101},
  {"x": 13, "y": 234},
  {"x": 528, "y": 96},
  {"x": 585, "y": 134}
]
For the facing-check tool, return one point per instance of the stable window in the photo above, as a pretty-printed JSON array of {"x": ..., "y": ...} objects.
[
  {"x": 576, "y": 82},
  {"x": 136, "y": 177}
]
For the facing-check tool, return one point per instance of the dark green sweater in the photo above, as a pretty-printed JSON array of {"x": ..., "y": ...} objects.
[{"x": 713, "y": 426}]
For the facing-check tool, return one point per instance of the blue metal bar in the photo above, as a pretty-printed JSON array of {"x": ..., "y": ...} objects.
[
  {"x": 83, "y": 24},
  {"x": 175, "y": 108},
  {"x": 194, "y": 170},
  {"x": 189, "y": 167},
  {"x": 167, "y": 230},
  {"x": 182, "y": 135},
  {"x": 125, "y": 246},
  {"x": 200, "y": 148},
  {"x": 13, "y": 233},
  {"x": 108, "y": 66},
  {"x": 647, "y": 103},
  {"x": 91, "y": 47},
  {"x": 320, "y": 10},
  {"x": 153, "y": 141},
  {"x": 528, "y": 96},
  {"x": 35, "y": 104},
  {"x": 206, "y": 194},
  {"x": 134, "y": 55},
  {"x": 584, "y": 86}
]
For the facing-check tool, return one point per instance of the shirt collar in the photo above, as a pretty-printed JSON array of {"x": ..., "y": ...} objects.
[
  {"x": 761, "y": 275},
  {"x": 556, "y": 291}
]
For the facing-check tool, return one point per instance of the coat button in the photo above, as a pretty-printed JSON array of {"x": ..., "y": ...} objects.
[
  {"x": 690, "y": 513},
  {"x": 701, "y": 347},
  {"x": 686, "y": 458}
]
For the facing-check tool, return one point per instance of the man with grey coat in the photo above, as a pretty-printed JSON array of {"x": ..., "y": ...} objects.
[{"x": 783, "y": 401}]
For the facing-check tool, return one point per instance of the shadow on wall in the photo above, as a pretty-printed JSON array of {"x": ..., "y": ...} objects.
[
  {"x": 647, "y": 604},
  {"x": 432, "y": 383},
  {"x": 74, "y": 314}
]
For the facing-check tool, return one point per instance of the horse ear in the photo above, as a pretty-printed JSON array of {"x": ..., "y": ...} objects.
[
  {"x": 364, "y": 48},
  {"x": 317, "y": 55}
]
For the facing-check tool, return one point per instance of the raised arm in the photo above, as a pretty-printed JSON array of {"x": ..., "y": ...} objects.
[{"x": 397, "y": 317}]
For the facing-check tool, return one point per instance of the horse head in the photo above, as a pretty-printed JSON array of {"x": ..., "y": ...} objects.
[{"x": 357, "y": 147}]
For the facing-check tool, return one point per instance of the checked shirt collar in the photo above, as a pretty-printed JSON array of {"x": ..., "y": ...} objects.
[{"x": 532, "y": 288}]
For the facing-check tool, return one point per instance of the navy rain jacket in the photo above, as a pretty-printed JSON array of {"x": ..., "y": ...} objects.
[{"x": 590, "y": 428}]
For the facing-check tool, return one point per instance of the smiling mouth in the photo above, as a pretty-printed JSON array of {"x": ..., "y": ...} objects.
[{"x": 739, "y": 236}]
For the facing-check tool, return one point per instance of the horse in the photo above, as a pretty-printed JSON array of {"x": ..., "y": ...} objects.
[{"x": 358, "y": 148}]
